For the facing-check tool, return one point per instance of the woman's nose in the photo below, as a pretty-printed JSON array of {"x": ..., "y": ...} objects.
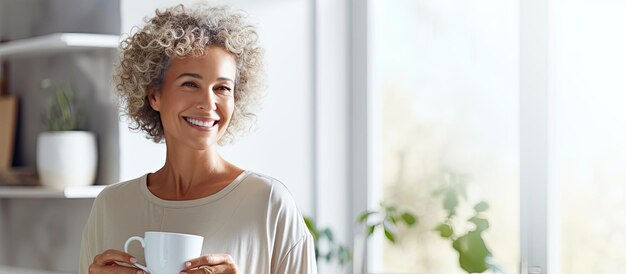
[{"x": 207, "y": 101}]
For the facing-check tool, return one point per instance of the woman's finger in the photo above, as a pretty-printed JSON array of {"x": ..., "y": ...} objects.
[
  {"x": 114, "y": 269},
  {"x": 210, "y": 260},
  {"x": 112, "y": 256},
  {"x": 216, "y": 269}
]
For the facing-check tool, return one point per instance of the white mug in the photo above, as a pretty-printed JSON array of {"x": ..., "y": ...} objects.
[{"x": 166, "y": 252}]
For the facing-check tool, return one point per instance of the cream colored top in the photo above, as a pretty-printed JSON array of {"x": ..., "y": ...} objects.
[{"x": 254, "y": 219}]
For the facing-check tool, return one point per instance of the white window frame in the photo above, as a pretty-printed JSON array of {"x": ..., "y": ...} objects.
[
  {"x": 539, "y": 212},
  {"x": 362, "y": 146}
]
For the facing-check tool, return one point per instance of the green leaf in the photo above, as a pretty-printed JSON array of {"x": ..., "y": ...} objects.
[
  {"x": 63, "y": 113},
  {"x": 343, "y": 255},
  {"x": 363, "y": 216},
  {"x": 329, "y": 234},
  {"x": 408, "y": 218},
  {"x": 450, "y": 202},
  {"x": 390, "y": 236},
  {"x": 311, "y": 226},
  {"x": 445, "y": 230},
  {"x": 481, "y": 223},
  {"x": 334, "y": 251},
  {"x": 392, "y": 218},
  {"x": 63, "y": 104},
  {"x": 391, "y": 208},
  {"x": 340, "y": 254},
  {"x": 481, "y": 207},
  {"x": 473, "y": 252},
  {"x": 309, "y": 223},
  {"x": 370, "y": 230}
]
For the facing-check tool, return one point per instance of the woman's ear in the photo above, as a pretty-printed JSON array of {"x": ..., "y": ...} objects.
[{"x": 154, "y": 97}]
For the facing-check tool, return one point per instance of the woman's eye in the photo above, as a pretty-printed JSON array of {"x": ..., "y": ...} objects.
[
  {"x": 189, "y": 84},
  {"x": 224, "y": 89}
]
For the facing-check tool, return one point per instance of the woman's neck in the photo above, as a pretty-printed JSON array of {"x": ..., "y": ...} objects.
[{"x": 191, "y": 173}]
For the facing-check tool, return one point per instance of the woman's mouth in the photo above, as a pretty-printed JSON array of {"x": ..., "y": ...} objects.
[{"x": 202, "y": 123}]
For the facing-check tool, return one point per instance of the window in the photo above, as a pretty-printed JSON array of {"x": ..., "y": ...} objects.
[
  {"x": 445, "y": 93},
  {"x": 589, "y": 56},
  {"x": 446, "y": 88}
]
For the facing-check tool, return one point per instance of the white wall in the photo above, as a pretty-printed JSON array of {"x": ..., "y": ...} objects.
[{"x": 332, "y": 80}]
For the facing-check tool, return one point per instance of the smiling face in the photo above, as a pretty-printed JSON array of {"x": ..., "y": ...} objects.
[{"x": 196, "y": 101}]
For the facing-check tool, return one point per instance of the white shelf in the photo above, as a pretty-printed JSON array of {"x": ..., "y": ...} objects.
[
  {"x": 16, "y": 270},
  {"x": 43, "y": 192},
  {"x": 58, "y": 42}
]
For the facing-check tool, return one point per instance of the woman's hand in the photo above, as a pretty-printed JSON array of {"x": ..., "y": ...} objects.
[
  {"x": 106, "y": 262},
  {"x": 211, "y": 264}
]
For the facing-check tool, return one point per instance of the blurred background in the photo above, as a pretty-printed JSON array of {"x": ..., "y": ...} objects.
[{"x": 418, "y": 136}]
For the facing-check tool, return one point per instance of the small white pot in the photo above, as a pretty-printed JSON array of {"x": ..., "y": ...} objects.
[{"x": 66, "y": 158}]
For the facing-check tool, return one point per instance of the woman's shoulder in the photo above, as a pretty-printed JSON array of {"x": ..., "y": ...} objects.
[
  {"x": 282, "y": 213},
  {"x": 268, "y": 184},
  {"x": 260, "y": 180},
  {"x": 121, "y": 189},
  {"x": 269, "y": 189}
]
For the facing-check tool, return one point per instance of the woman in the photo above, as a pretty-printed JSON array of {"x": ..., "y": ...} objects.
[{"x": 189, "y": 77}]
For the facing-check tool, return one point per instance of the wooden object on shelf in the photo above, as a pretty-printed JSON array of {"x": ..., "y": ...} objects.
[
  {"x": 19, "y": 176},
  {"x": 4, "y": 74},
  {"x": 8, "y": 118}
]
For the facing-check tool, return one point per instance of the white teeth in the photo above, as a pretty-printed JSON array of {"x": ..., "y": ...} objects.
[{"x": 201, "y": 123}]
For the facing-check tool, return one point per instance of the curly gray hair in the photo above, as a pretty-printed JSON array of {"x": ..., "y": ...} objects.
[{"x": 179, "y": 32}]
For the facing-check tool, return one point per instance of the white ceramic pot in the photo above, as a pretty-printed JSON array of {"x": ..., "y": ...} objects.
[{"x": 66, "y": 158}]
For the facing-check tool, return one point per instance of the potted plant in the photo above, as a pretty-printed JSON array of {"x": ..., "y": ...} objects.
[{"x": 66, "y": 155}]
